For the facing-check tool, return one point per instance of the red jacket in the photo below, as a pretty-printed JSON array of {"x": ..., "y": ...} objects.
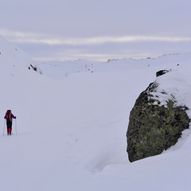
[{"x": 9, "y": 116}]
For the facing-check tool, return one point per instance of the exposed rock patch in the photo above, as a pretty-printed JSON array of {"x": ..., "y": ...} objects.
[
  {"x": 153, "y": 127},
  {"x": 161, "y": 72}
]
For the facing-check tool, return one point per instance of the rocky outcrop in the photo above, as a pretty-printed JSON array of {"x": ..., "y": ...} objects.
[
  {"x": 161, "y": 72},
  {"x": 154, "y": 127},
  {"x": 35, "y": 68}
]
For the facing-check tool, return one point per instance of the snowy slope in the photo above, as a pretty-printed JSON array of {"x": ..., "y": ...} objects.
[{"x": 71, "y": 132}]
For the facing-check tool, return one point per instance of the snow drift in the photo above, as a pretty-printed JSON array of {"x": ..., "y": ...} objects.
[{"x": 71, "y": 129}]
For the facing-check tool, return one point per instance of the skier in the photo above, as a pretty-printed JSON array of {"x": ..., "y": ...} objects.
[{"x": 9, "y": 118}]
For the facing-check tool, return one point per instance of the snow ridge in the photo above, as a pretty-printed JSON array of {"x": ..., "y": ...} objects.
[{"x": 71, "y": 131}]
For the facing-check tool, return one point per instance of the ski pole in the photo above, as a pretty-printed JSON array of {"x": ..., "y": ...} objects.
[
  {"x": 15, "y": 127},
  {"x": 4, "y": 128}
]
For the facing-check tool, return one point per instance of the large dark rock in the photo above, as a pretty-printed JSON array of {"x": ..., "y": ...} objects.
[{"x": 153, "y": 128}]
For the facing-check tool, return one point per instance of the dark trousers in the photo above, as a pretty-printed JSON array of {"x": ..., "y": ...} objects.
[{"x": 9, "y": 127}]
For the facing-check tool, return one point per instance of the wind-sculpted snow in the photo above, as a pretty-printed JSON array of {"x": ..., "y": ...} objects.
[{"x": 71, "y": 131}]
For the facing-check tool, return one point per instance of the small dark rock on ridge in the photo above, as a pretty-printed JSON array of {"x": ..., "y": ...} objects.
[{"x": 161, "y": 72}]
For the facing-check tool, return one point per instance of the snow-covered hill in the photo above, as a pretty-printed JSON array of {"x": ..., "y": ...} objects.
[{"x": 71, "y": 132}]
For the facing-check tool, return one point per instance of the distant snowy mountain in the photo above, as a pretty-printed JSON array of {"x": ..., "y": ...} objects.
[
  {"x": 61, "y": 70},
  {"x": 71, "y": 131},
  {"x": 13, "y": 58}
]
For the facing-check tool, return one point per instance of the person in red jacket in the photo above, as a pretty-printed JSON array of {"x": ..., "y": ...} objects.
[{"x": 9, "y": 119}]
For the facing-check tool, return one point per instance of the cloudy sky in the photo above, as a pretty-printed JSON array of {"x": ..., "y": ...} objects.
[{"x": 96, "y": 29}]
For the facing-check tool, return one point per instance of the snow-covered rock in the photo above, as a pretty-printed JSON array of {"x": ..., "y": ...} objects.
[{"x": 153, "y": 127}]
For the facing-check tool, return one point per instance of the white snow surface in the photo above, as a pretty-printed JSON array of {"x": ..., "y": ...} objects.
[{"x": 70, "y": 131}]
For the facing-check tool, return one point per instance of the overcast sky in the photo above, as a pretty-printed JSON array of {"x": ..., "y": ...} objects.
[{"x": 76, "y": 27}]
